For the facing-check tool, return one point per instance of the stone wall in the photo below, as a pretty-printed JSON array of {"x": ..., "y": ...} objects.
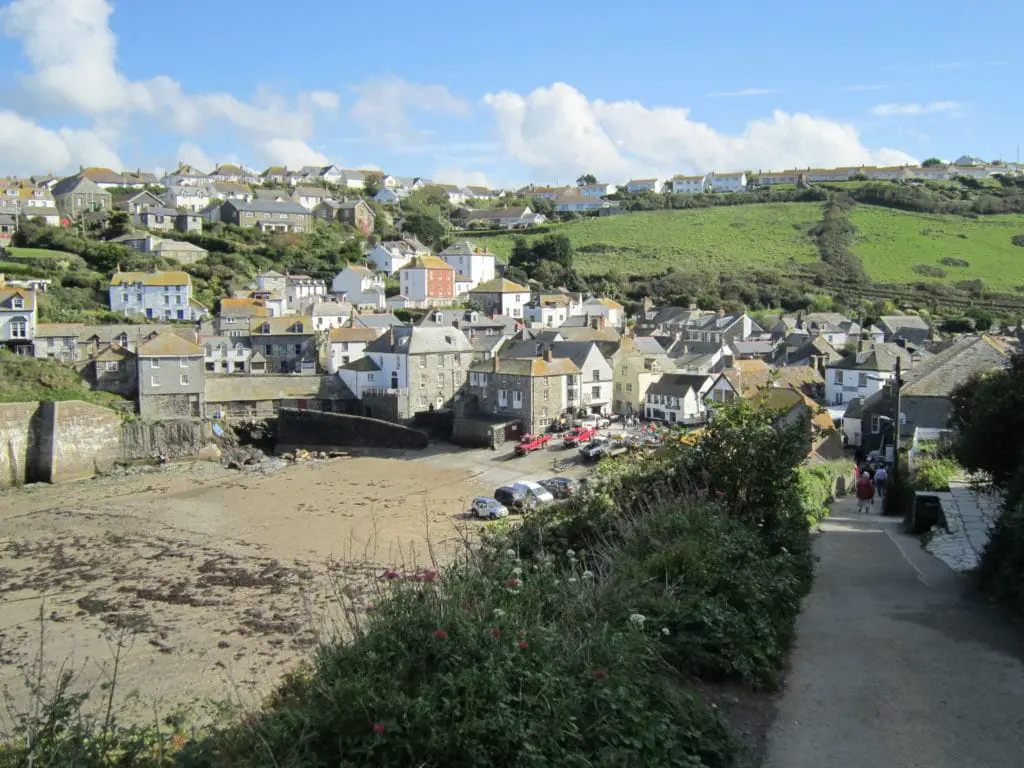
[
  {"x": 61, "y": 441},
  {"x": 18, "y": 441},
  {"x": 315, "y": 429}
]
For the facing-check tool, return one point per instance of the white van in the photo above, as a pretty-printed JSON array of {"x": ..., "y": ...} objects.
[{"x": 538, "y": 492}]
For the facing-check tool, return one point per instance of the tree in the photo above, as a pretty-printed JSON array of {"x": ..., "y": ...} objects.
[
  {"x": 427, "y": 228},
  {"x": 586, "y": 178},
  {"x": 373, "y": 182},
  {"x": 931, "y": 162},
  {"x": 120, "y": 224}
]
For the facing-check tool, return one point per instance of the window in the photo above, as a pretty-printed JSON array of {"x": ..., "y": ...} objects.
[
  {"x": 423, "y": 361},
  {"x": 183, "y": 362},
  {"x": 618, "y": 386},
  {"x": 423, "y": 401},
  {"x": 876, "y": 425},
  {"x": 154, "y": 381},
  {"x": 111, "y": 366},
  {"x": 211, "y": 367},
  {"x": 394, "y": 380},
  {"x": 369, "y": 377},
  {"x": 19, "y": 328},
  {"x": 344, "y": 346},
  {"x": 596, "y": 375},
  {"x": 839, "y": 376},
  {"x": 629, "y": 387},
  {"x": 154, "y": 363},
  {"x": 503, "y": 397},
  {"x": 440, "y": 379},
  {"x": 184, "y": 379},
  {"x": 298, "y": 349},
  {"x": 517, "y": 399},
  {"x": 17, "y": 303},
  {"x": 595, "y": 392}
]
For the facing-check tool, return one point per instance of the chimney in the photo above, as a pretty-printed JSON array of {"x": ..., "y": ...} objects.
[
  {"x": 497, "y": 362},
  {"x": 391, "y": 335},
  {"x": 548, "y": 355},
  {"x": 693, "y": 307}
]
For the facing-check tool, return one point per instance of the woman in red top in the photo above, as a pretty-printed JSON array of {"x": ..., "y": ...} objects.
[{"x": 865, "y": 492}]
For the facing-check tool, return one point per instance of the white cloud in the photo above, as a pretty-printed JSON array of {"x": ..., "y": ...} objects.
[
  {"x": 293, "y": 153},
  {"x": 461, "y": 177},
  {"x": 558, "y": 131},
  {"x": 931, "y": 108},
  {"x": 191, "y": 154},
  {"x": 329, "y": 101},
  {"x": 746, "y": 92},
  {"x": 384, "y": 104},
  {"x": 73, "y": 54},
  {"x": 26, "y": 147}
]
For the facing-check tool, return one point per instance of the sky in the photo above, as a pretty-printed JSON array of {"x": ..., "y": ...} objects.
[{"x": 533, "y": 91}]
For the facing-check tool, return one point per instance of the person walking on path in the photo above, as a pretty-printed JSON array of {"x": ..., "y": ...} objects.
[
  {"x": 881, "y": 475},
  {"x": 865, "y": 492}
]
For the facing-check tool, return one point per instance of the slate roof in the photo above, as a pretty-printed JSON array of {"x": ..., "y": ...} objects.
[
  {"x": 76, "y": 184},
  {"x": 383, "y": 320},
  {"x": 330, "y": 309},
  {"x": 498, "y": 213},
  {"x": 421, "y": 340},
  {"x": 266, "y": 206},
  {"x": 427, "y": 262},
  {"x": 752, "y": 379},
  {"x": 364, "y": 335},
  {"x": 500, "y": 285},
  {"x": 281, "y": 326},
  {"x": 967, "y": 356},
  {"x": 243, "y": 308},
  {"x": 534, "y": 367},
  {"x": 881, "y": 357},
  {"x": 169, "y": 345},
  {"x": 169, "y": 277},
  {"x": 360, "y": 364},
  {"x": 678, "y": 384},
  {"x": 58, "y": 330}
]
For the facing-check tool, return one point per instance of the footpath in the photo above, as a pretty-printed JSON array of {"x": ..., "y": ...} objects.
[{"x": 897, "y": 661}]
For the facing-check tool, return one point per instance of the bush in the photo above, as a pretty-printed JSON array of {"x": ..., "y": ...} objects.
[
  {"x": 929, "y": 271},
  {"x": 1018, "y": 240},
  {"x": 949, "y": 261},
  {"x": 933, "y": 474},
  {"x": 1001, "y": 570}
]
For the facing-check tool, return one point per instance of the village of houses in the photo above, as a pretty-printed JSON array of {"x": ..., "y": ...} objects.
[{"x": 502, "y": 358}]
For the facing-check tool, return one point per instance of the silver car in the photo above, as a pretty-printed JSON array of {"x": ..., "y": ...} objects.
[{"x": 488, "y": 508}]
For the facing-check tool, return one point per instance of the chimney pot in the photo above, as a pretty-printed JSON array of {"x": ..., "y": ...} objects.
[{"x": 548, "y": 355}]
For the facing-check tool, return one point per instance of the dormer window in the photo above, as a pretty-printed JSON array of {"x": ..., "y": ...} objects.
[
  {"x": 17, "y": 303},
  {"x": 298, "y": 328},
  {"x": 265, "y": 328}
]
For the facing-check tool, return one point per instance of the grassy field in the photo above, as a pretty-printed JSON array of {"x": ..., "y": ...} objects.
[
  {"x": 39, "y": 253},
  {"x": 725, "y": 239},
  {"x": 891, "y": 243}
]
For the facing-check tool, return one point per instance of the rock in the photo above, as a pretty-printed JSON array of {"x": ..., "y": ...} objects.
[
  {"x": 223, "y": 644},
  {"x": 209, "y": 453}
]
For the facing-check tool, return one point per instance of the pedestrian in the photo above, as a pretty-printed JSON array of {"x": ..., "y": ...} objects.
[
  {"x": 881, "y": 476},
  {"x": 865, "y": 492}
]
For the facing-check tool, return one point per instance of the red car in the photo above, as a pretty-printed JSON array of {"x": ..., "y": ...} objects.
[
  {"x": 531, "y": 443},
  {"x": 579, "y": 436}
]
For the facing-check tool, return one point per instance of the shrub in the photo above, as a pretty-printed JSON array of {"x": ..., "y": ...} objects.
[
  {"x": 929, "y": 271},
  {"x": 933, "y": 474},
  {"x": 1001, "y": 570},
  {"x": 1018, "y": 240},
  {"x": 949, "y": 261}
]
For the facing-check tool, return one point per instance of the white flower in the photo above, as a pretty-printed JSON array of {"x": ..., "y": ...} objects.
[
  {"x": 572, "y": 579},
  {"x": 637, "y": 620},
  {"x": 510, "y": 553},
  {"x": 517, "y": 571},
  {"x": 570, "y": 554},
  {"x": 498, "y": 613},
  {"x": 588, "y": 574},
  {"x": 785, "y": 551},
  {"x": 665, "y": 631}
]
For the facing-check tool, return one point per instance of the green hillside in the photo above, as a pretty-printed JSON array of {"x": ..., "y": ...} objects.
[
  {"x": 735, "y": 239},
  {"x": 721, "y": 239},
  {"x": 891, "y": 243}
]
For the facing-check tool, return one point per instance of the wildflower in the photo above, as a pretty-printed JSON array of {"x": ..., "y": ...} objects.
[
  {"x": 588, "y": 574},
  {"x": 517, "y": 571},
  {"x": 378, "y": 728},
  {"x": 495, "y": 632},
  {"x": 391, "y": 575},
  {"x": 572, "y": 579},
  {"x": 523, "y": 645},
  {"x": 372, "y": 608},
  {"x": 600, "y": 674},
  {"x": 512, "y": 583},
  {"x": 510, "y": 553},
  {"x": 498, "y": 613},
  {"x": 720, "y": 494},
  {"x": 430, "y": 575},
  {"x": 570, "y": 554},
  {"x": 665, "y": 631},
  {"x": 785, "y": 551},
  {"x": 637, "y": 620},
  {"x": 440, "y": 634}
]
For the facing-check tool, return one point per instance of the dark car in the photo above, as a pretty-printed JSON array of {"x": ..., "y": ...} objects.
[
  {"x": 560, "y": 487},
  {"x": 514, "y": 498}
]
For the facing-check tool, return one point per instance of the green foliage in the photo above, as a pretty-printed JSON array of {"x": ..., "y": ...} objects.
[
  {"x": 1017, "y": 240},
  {"x": 426, "y": 227},
  {"x": 586, "y": 178},
  {"x": 930, "y": 162},
  {"x": 834, "y": 236},
  {"x": 1001, "y": 570},
  {"x": 948, "y": 261},
  {"x": 818, "y": 485},
  {"x": 933, "y": 474},
  {"x": 929, "y": 271},
  {"x": 29, "y": 379},
  {"x": 550, "y": 260}
]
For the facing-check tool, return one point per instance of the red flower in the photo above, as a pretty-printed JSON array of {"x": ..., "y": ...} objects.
[
  {"x": 495, "y": 632},
  {"x": 513, "y": 582},
  {"x": 440, "y": 634},
  {"x": 523, "y": 645},
  {"x": 430, "y": 576},
  {"x": 391, "y": 575},
  {"x": 719, "y": 494},
  {"x": 600, "y": 674},
  {"x": 378, "y": 728}
]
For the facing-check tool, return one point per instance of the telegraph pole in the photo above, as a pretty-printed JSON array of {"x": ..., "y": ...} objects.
[{"x": 896, "y": 421}]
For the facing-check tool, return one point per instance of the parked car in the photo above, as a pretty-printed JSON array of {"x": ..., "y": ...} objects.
[
  {"x": 515, "y": 498},
  {"x": 579, "y": 436},
  {"x": 594, "y": 449},
  {"x": 560, "y": 487},
  {"x": 489, "y": 508},
  {"x": 594, "y": 421},
  {"x": 531, "y": 443},
  {"x": 538, "y": 492}
]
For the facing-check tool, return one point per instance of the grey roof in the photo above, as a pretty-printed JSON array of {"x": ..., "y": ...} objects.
[
  {"x": 419, "y": 340},
  {"x": 274, "y": 194},
  {"x": 648, "y": 345},
  {"x": 330, "y": 309},
  {"x": 678, "y": 384},
  {"x": 189, "y": 191},
  {"x": 158, "y": 211},
  {"x": 266, "y": 206},
  {"x": 77, "y": 184},
  {"x": 310, "y": 192},
  {"x": 815, "y": 347},
  {"x": 941, "y": 374},
  {"x": 912, "y": 328},
  {"x": 6, "y": 218},
  {"x": 376, "y": 321},
  {"x": 577, "y": 351},
  {"x": 880, "y": 357},
  {"x": 497, "y": 213}
]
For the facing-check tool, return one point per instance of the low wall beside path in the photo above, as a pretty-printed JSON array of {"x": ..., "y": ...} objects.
[{"x": 319, "y": 429}]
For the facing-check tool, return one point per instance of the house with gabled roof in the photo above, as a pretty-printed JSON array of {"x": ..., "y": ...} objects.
[
  {"x": 355, "y": 213},
  {"x": 172, "y": 378},
  {"x": 427, "y": 281},
  {"x": 639, "y": 186},
  {"x": 104, "y": 178},
  {"x": 287, "y": 343},
  {"x": 501, "y": 297},
  {"x": 228, "y": 172},
  {"x": 77, "y": 196},
  {"x": 17, "y": 318},
  {"x": 391, "y": 255},
  {"x": 866, "y": 371},
  {"x": 534, "y": 391},
  {"x": 57, "y": 341},
  {"x": 361, "y": 286},
  {"x": 679, "y": 398},
  {"x": 267, "y": 216},
  {"x": 518, "y": 217},
  {"x": 112, "y": 369},
  {"x": 161, "y": 295},
  {"x": 347, "y": 344},
  {"x": 186, "y": 176}
]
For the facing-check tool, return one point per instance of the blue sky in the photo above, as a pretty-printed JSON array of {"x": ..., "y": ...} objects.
[{"x": 533, "y": 91}]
